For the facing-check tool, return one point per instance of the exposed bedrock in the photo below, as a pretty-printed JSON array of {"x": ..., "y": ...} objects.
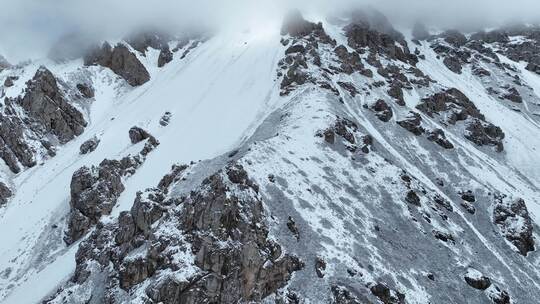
[{"x": 121, "y": 61}]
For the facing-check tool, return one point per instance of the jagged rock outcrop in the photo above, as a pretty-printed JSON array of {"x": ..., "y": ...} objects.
[
  {"x": 95, "y": 190},
  {"x": 165, "y": 56},
  {"x": 220, "y": 227},
  {"x": 296, "y": 26},
  {"x": 451, "y": 106},
  {"x": 45, "y": 103},
  {"x": 306, "y": 39},
  {"x": 5, "y": 193},
  {"x": 483, "y": 133},
  {"x": 370, "y": 29},
  {"x": 47, "y": 113},
  {"x": 121, "y": 61},
  {"x": 14, "y": 149},
  {"x": 515, "y": 224}
]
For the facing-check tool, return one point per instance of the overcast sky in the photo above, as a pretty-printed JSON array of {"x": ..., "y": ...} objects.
[{"x": 29, "y": 27}]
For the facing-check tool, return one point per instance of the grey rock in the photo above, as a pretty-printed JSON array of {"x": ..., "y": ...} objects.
[
  {"x": 342, "y": 295},
  {"x": 515, "y": 224},
  {"x": 165, "y": 119},
  {"x": 298, "y": 48},
  {"x": 45, "y": 103},
  {"x": 349, "y": 87},
  {"x": 382, "y": 110},
  {"x": 121, "y": 61},
  {"x": 89, "y": 145},
  {"x": 453, "y": 64},
  {"x": 320, "y": 267},
  {"x": 396, "y": 92},
  {"x": 147, "y": 209},
  {"x": 137, "y": 134},
  {"x": 482, "y": 133},
  {"x": 513, "y": 95},
  {"x": 226, "y": 231},
  {"x": 126, "y": 228},
  {"x": 454, "y": 38},
  {"x": 9, "y": 81},
  {"x": 481, "y": 282},
  {"x": 86, "y": 90},
  {"x": 499, "y": 296},
  {"x": 14, "y": 149},
  {"x": 491, "y": 36},
  {"x": 5, "y": 193},
  {"x": 165, "y": 56},
  {"x": 438, "y": 136},
  {"x": 387, "y": 295},
  {"x": 412, "y": 123}
]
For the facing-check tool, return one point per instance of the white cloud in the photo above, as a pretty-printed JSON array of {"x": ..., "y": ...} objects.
[{"x": 28, "y": 27}]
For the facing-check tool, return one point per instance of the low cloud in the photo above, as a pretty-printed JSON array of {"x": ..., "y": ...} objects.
[{"x": 29, "y": 27}]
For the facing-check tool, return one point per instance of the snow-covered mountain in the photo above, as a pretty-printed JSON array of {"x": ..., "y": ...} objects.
[{"x": 338, "y": 160}]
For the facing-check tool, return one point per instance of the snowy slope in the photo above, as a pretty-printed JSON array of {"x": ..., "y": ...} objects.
[
  {"x": 216, "y": 95},
  {"x": 296, "y": 142}
]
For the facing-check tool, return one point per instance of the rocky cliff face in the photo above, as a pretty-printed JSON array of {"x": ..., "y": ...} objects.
[
  {"x": 35, "y": 121},
  {"x": 121, "y": 61},
  {"x": 382, "y": 171}
]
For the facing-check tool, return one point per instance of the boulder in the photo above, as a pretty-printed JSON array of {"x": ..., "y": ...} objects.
[
  {"x": 387, "y": 295},
  {"x": 137, "y": 135},
  {"x": 515, "y": 223},
  {"x": 320, "y": 267},
  {"x": 476, "y": 279},
  {"x": 89, "y": 145},
  {"x": 412, "y": 123},
  {"x": 86, "y": 90},
  {"x": 165, "y": 119},
  {"x": 382, "y": 110},
  {"x": 9, "y": 82},
  {"x": 453, "y": 64}
]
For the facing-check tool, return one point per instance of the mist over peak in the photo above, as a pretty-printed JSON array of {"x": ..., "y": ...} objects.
[{"x": 28, "y": 27}]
